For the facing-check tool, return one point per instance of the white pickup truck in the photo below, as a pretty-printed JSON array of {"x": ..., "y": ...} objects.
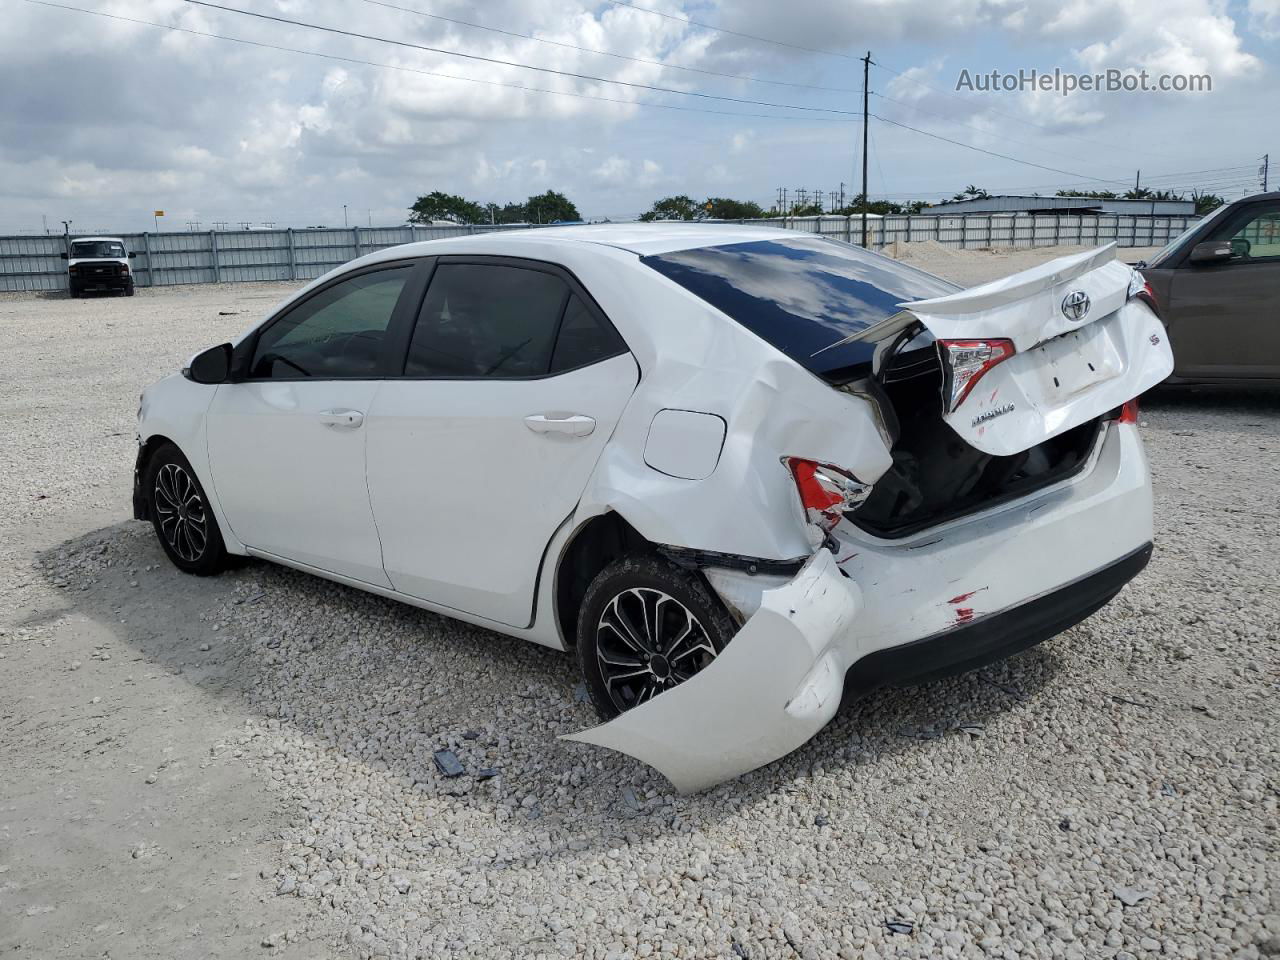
[{"x": 99, "y": 263}]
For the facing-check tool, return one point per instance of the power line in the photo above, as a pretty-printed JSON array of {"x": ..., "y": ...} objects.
[
  {"x": 991, "y": 153},
  {"x": 625, "y": 83},
  {"x": 732, "y": 33},
  {"x": 511, "y": 63},
  {"x": 429, "y": 73},
  {"x": 972, "y": 126},
  {"x": 608, "y": 53}
]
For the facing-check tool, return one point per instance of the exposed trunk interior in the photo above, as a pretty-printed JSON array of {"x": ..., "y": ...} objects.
[{"x": 936, "y": 476}]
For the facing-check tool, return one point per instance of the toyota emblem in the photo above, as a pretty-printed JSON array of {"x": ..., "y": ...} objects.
[{"x": 1075, "y": 305}]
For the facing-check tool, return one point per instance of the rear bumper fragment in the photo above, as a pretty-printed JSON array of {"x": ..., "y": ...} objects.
[
  {"x": 996, "y": 636},
  {"x": 776, "y": 685}
]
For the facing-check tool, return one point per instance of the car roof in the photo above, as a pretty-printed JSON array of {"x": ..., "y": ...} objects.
[
  {"x": 639, "y": 238},
  {"x": 96, "y": 239}
]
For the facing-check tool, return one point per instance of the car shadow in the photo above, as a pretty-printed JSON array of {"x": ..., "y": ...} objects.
[{"x": 351, "y": 679}]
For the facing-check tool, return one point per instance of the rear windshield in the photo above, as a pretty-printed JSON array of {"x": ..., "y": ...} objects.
[
  {"x": 93, "y": 249},
  {"x": 801, "y": 295}
]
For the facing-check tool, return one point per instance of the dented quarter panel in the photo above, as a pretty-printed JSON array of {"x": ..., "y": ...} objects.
[{"x": 776, "y": 685}]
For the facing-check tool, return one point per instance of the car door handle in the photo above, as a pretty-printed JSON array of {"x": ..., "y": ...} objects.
[
  {"x": 575, "y": 426},
  {"x": 344, "y": 419}
]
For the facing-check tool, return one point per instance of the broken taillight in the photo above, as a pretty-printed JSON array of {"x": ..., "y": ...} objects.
[
  {"x": 966, "y": 362},
  {"x": 826, "y": 491},
  {"x": 1140, "y": 287}
]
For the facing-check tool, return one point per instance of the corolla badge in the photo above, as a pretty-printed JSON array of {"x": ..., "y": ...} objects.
[{"x": 1075, "y": 305}]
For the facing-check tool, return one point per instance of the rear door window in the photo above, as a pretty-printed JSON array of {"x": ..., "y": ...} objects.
[
  {"x": 585, "y": 337},
  {"x": 804, "y": 296},
  {"x": 500, "y": 321}
]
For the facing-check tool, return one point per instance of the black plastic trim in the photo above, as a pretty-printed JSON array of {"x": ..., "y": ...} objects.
[
  {"x": 693, "y": 559},
  {"x": 995, "y": 636}
]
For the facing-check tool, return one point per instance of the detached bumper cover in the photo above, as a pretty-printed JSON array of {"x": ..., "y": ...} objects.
[{"x": 776, "y": 685}]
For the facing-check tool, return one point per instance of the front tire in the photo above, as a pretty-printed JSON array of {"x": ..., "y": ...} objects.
[
  {"x": 646, "y": 626},
  {"x": 128, "y": 290},
  {"x": 180, "y": 513}
]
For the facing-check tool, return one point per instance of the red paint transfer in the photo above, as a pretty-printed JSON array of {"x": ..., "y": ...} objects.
[
  {"x": 965, "y": 596},
  {"x": 964, "y": 614}
]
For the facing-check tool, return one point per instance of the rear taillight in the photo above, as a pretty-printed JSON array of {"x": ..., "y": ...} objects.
[
  {"x": 966, "y": 362},
  {"x": 1129, "y": 412},
  {"x": 1139, "y": 287},
  {"x": 826, "y": 492}
]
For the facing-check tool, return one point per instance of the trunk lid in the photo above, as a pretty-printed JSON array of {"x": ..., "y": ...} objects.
[{"x": 1081, "y": 347}]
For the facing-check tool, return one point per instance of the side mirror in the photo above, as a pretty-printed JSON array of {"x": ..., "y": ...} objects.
[
  {"x": 212, "y": 366},
  {"x": 132, "y": 254},
  {"x": 63, "y": 255},
  {"x": 1215, "y": 251}
]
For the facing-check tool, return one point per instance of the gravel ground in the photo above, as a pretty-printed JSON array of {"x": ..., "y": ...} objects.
[{"x": 244, "y": 765}]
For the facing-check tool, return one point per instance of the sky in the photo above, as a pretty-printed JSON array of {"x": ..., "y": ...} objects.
[{"x": 103, "y": 121}]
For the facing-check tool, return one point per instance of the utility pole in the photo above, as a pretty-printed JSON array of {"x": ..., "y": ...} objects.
[
  {"x": 1266, "y": 162},
  {"x": 1137, "y": 182},
  {"x": 344, "y": 215},
  {"x": 866, "y": 111},
  {"x": 841, "y": 194}
]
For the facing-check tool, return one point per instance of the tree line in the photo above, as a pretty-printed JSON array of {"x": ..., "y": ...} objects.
[
  {"x": 549, "y": 207},
  {"x": 684, "y": 207},
  {"x": 1204, "y": 201},
  {"x": 554, "y": 207}
]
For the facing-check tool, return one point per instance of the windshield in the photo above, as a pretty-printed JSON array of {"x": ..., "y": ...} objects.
[
  {"x": 804, "y": 296},
  {"x": 1178, "y": 242},
  {"x": 96, "y": 249}
]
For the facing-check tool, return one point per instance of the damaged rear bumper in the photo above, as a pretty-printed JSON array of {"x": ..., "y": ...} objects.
[
  {"x": 999, "y": 635},
  {"x": 776, "y": 685}
]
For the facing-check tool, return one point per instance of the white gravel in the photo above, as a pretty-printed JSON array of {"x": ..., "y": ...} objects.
[{"x": 1112, "y": 793}]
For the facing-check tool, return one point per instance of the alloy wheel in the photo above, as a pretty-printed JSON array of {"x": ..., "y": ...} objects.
[
  {"x": 181, "y": 513},
  {"x": 647, "y": 642}
]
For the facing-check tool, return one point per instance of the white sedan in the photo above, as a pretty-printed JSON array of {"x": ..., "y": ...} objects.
[{"x": 742, "y": 474}]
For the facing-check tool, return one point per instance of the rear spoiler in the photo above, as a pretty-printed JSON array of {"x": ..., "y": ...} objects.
[{"x": 1025, "y": 307}]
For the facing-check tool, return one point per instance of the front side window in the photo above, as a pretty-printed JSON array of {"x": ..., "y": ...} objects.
[
  {"x": 338, "y": 333},
  {"x": 96, "y": 250},
  {"x": 1258, "y": 238},
  {"x": 487, "y": 320}
]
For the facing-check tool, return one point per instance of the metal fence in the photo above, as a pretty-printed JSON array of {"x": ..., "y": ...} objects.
[
  {"x": 215, "y": 256},
  {"x": 220, "y": 256},
  {"x": 997, "y": 229}
]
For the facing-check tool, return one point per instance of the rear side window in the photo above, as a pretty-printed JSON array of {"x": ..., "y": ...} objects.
[
  {"x": 584, "y": 338},
  {"x": 804, "y": 296},
  {"x": 501, "y": 321}
]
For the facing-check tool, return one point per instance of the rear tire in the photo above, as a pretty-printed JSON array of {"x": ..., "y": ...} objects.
[
  {"x": 646, "y": 626},
  {"x": 181, "y": 515}
]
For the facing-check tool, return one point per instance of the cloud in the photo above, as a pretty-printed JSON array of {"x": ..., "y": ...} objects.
[
  {"x": 216, "y": 130},
  {"x": 1264, "y": 17}
]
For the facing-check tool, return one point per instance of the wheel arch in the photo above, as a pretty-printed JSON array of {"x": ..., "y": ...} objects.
[
  {"x": 594, "y": 545},
  {"x": 146, "y": 450}
]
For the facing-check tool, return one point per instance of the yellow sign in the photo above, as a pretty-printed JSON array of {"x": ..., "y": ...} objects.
[{"x": 159, "y": 213}]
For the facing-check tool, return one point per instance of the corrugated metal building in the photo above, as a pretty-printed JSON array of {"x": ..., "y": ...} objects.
[{"x": 1068, "y": 205}]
